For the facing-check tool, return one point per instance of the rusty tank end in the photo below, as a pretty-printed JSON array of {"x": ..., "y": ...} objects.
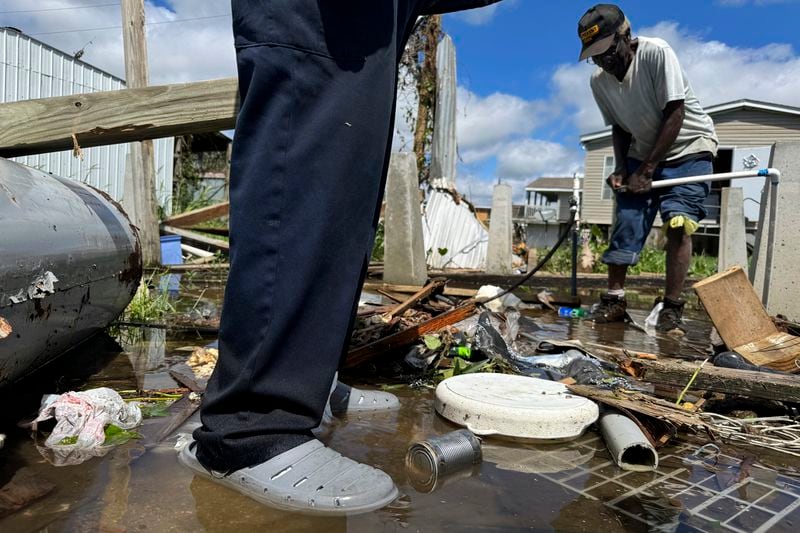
[{"x": 70, "y": 262}]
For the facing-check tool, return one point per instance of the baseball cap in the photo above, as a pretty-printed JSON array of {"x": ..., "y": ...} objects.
[{"x": 597, "y": 28}]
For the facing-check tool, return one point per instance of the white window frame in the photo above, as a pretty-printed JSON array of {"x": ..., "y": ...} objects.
[{"x": 606, "y": 193}]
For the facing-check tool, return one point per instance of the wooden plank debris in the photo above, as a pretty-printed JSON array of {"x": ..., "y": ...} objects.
[
  {"x": 423, "y": 293},
  {"x": 739, "y": 383},
  {"x": 197, "y": 216},
  {"x": 411, "y": 289},
  {"x": 409, "y": 336},
  {"x": 155, "y": 430},
  {"x": 198, "y": 238},
  {"x": 186, "y": 376},
  {"x": 643, "y": 404},
  {"x": 111, "y": 117},
  {"x": 743, "y": 323}
]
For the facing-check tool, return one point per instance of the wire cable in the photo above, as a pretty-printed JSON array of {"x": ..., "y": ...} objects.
[
  {"x": 545, "y": 259},
  {"x": 120, "y": 27},
  {"x": 56, "y": 9}
]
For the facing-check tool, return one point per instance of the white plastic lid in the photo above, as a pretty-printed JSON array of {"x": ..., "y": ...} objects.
[{"x": 514, "y": 406}]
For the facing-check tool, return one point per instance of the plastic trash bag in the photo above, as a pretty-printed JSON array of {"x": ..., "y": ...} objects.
[
  {"x": 498, "y": 305},
  {"x": 492, "y": 344},
  {"x": 81, "y": 418},
  {"x": 734, "y": 360}
]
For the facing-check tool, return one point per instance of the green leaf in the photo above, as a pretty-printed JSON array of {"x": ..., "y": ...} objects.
[
  {"x": 442, "y": 251},
  {"x": 69, "y": 441},
  {"x": 432, "y": 342},
  {"x": 154, "y": 410},
  {"x": 115, "y": 435}
]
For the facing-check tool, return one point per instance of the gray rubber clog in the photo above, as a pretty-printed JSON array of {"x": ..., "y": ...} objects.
[
  {"x": 310, "y": 479},
  {"x": 345, "y": 399}
]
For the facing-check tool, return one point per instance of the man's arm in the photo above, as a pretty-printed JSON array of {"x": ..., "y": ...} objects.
[
  {"x": 671, "y": 122},
  {"x": 434, "y": 7},
  {"x": 621, "y": 140}
]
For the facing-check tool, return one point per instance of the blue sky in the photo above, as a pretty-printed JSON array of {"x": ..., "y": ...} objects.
[
  {"x": 523, "y": 98},
  {"x": 528, "y": 50}
]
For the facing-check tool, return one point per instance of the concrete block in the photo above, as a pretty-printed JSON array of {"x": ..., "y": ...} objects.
[
  {"x": 498, "y": 258},
  {"x": 404, "y": 248},
  {"x": 732, "y": 234},
  {"x": 782, "y": 282}
]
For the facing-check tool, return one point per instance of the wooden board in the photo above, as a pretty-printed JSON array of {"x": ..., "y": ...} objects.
[
  {"x": 411, "y": 289},
  {"x": 111, "y": 117},
  {"x": 739, "y": 383},
  {"x": 780, "y": 351},
  {"x": 197, "y": 237},
  {"x": 743, "y": 323},
  {"x": 642, "y": 404},
  {"x": 408, "y": 336},
  {"x": 734, "y": 307},
  {"x": 197, "y": 216}
]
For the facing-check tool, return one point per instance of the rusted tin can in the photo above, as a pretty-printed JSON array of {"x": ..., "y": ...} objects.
[{"x": 431, "y": 462}]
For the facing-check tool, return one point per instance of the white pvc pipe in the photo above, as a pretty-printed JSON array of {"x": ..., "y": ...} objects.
[
  {"x": 775, "y": 176},
  {"x": 627, "y": 444},
  {"x": 774, "y": 173}
]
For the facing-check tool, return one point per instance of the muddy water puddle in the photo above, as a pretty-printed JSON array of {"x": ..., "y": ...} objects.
[{"x": 573, "y": 486}]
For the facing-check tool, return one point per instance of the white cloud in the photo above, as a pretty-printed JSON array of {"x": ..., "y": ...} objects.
[
  {"x": 717, "y": 71},
  {"x": 483, "y": 15},
  {"x": 519, "y": 162},
  {"x": 478, "y": 190},
  {"x": 177, "y": 52},
  {"x": 533, "y": 157},
  {"x": 483, "y": 124}
]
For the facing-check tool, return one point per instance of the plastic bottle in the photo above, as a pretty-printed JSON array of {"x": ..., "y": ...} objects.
[
  {"x": 571, "y": 312},
  {"x": 464, "y": 352}
]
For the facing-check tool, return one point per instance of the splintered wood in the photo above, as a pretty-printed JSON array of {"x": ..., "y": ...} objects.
[{"x": 743, "y": 323}]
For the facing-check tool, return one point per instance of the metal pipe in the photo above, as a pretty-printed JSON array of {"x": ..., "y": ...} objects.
[
  {"x": 575, "y": 207},
  {"x": 70, "y": 265},
  {"x": 774, "y": 173},
  {"x": 775, "y": 177},
  {"x": 629, "y": 446}
]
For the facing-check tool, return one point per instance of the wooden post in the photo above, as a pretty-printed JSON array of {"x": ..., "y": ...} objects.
[{"x": 143, "y": 173}]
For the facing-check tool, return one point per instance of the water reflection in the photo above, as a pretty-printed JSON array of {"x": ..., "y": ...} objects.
[{"x": 573, "y": 486}]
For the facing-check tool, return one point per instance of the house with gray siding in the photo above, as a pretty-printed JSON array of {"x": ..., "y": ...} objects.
[
  {"x": 546, "y": 210},
  {"x": 747, "y": 131}
]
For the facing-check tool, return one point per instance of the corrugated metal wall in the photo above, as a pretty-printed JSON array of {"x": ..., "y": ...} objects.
[
  {"x": 30, "y": 69},
  {"x": 737, "y": 128},
  {"x": 453, "y": 229}
]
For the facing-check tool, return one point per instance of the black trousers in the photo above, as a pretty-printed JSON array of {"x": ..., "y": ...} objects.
[{"x": 317, "y": 81}]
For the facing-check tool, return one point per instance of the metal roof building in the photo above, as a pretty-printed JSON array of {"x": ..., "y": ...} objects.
[{"x": 31, "y": 69}]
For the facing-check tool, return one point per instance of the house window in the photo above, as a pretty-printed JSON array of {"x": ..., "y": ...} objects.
[{"x": 608, "y": 168}]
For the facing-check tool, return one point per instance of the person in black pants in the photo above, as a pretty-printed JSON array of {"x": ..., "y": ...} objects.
[{"x": 317, "y": 81}]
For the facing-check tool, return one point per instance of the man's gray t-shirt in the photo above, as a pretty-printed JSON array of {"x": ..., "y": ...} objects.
[{"x": 636, "y": 104}]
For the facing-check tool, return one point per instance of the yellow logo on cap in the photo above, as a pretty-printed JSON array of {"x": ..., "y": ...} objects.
[{"x": 587, "y": 35}]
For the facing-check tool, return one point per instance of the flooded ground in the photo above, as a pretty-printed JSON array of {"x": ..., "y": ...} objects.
[{"x": 572, "y": 486}]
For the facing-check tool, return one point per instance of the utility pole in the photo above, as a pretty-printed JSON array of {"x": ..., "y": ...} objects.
[{"x": 142, "y": 176}]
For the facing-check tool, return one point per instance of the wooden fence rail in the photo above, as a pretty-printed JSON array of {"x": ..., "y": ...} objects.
[{"x": 95, "y": 119}]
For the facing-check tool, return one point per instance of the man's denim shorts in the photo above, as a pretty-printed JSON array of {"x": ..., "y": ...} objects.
[{"x": 635, "y": 213}]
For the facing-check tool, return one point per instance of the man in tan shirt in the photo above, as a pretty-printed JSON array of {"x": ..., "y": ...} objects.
[{"x": 659, "y": 131}]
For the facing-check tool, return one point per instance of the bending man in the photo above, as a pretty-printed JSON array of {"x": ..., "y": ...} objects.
[{"x": 659, "y": 131}]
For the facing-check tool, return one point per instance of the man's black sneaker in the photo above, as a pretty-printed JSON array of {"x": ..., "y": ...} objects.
[
  {"x": 670, "y": 317},
  {"x": 610, "y": 309}
]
